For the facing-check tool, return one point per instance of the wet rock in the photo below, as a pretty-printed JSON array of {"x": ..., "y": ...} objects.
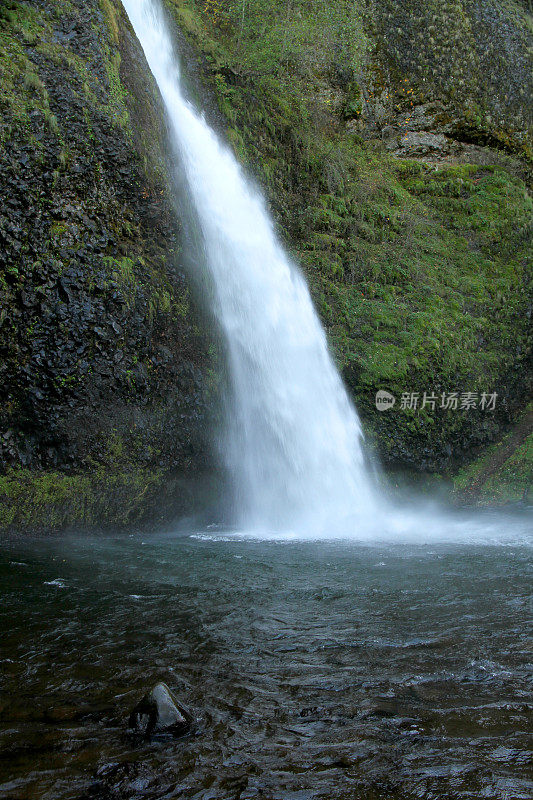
[
  {"x": 61, "y": 713},
  {"x": 160, "y": 712}
]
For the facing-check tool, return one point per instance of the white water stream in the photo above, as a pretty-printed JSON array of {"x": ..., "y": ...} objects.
[{"x": 293, "y": 441}]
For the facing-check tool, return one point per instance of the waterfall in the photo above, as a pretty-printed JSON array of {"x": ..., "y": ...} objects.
[{"x": 292, "y": 440}]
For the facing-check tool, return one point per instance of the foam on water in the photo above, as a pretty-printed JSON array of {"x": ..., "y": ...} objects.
[{"x": 421, "y": 523}]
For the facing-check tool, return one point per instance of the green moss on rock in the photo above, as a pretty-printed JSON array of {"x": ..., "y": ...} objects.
[
  {"x": 53, "y": 500},
  {"x": 100, "y": 341}
]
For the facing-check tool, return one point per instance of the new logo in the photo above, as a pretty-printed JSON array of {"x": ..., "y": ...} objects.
[{"x": 384, "y": 400}]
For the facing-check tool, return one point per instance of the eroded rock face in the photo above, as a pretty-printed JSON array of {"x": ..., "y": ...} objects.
[
  {"x": 464, "y": 65},
  {"x": 160, "y": 712},
  {"x": 103, "y": 357}
]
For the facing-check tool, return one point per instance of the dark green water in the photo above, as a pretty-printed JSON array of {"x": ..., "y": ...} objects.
[{"x": 315, "y": 670}]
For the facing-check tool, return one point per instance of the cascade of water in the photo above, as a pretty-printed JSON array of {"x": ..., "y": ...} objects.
[{"x": 293, "y": 440}]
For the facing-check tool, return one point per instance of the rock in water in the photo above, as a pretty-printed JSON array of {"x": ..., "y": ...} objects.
[{"x": 160, "y": 712}]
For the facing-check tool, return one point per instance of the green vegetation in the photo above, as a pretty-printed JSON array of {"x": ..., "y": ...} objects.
[
  {"x": 117, "y": 107},
  {"x": 513, "y": 482},
  {"x": 111, "y": 16},
  {"x": 419, "y": 266},
  {"x": 136, "y": 277},
  {"x": 100, "y": 350},
  {"x": 22, "y": 87},
  {"x": 54, "y": 500},
  {"x": 504, "y": 473}
]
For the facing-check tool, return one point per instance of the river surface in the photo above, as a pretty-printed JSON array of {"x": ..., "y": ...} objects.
[{"x": 331, "y": 670}]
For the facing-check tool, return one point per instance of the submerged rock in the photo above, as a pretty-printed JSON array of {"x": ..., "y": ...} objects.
[{"x": 160, "y": 712}]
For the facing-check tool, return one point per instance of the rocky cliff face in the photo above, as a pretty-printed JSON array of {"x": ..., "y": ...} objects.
[
  {"x": 104, "y": 369},
  {"x": 470, "y": 63}
]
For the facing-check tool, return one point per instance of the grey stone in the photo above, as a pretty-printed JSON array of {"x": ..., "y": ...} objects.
[
  {"x": 422, "y": 143},
  {"x": 160, "y": 712}
]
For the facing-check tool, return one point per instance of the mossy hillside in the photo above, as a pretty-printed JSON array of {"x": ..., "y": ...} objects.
[
  {"x": 98, "y": 334},
  {"x": 384, "y": 62},
  {"x": 513, "y": 482},
  {"x": 54, "y": 500},
  {"x": 504, "y": 472},
  {"x": 419, "y": 268}
]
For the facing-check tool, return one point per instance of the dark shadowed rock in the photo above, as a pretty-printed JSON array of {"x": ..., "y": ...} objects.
[{"x": 160, "y": 712}]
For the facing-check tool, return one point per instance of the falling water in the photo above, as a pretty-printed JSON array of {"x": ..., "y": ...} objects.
[{"x": 293, "y": 441}]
